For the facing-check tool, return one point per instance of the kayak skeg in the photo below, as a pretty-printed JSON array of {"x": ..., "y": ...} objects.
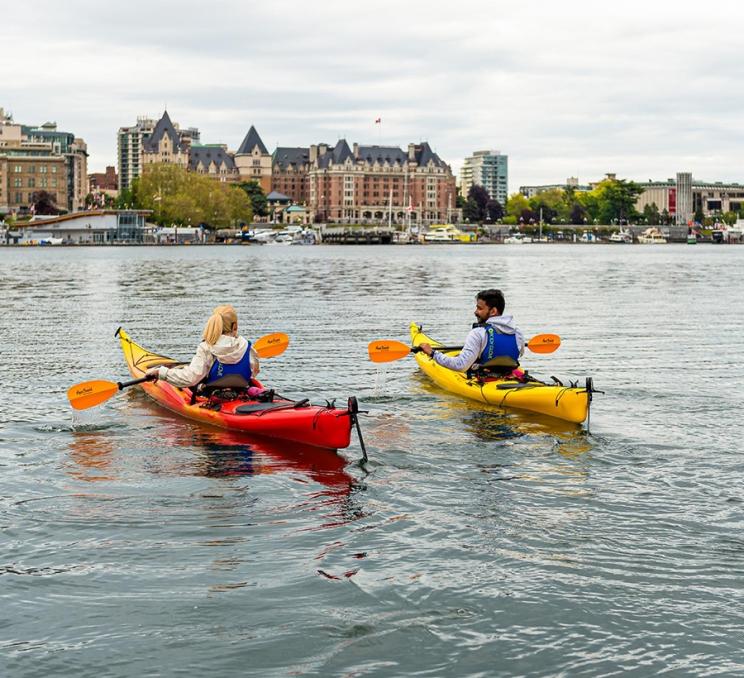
[
  {"x": 569, "y": 403},
  {"x": 299, "y": 421}
]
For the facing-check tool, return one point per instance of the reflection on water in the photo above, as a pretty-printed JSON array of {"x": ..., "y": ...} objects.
[
  {"x": 92, "y": 455},
  {"x": 478, "y": 532},
  {"x": 225, "y": 454}
]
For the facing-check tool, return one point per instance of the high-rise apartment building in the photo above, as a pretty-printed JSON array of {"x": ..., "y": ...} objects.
[
  {"x": 489, "y": 169},
  {"x": 129, "y": 146}
]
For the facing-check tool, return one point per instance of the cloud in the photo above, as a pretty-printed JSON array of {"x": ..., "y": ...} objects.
[{"x": 641, "y": 89}]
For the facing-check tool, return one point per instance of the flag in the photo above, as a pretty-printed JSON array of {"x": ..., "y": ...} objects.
[{"x": 378, "y": 121}]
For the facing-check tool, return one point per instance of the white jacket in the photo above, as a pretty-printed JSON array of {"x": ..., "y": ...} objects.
[
  {"x": 476, "y": 341},
  {"x": 228, "y": 350}
]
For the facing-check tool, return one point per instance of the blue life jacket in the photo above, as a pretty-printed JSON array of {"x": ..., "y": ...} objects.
[
  {"x": 497, "y": 344},
  {"x": 242, "y": 367}
]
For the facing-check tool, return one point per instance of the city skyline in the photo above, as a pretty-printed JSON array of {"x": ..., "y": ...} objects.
[{"x": 639, "y": 90}]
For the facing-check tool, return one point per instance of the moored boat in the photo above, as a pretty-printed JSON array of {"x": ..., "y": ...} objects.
[
  {"x": 447, "y": 233},
  {"x": 622, "y": 237},
  {"x": 517, "y": 239},
  {"x": 652, "y": 236},
  {"x": 321, "y": 426},
  {"x": 569, "y": 403}
]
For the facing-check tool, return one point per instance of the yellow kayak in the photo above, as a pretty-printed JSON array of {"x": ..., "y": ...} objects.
[{"x": 569, "y": 403}]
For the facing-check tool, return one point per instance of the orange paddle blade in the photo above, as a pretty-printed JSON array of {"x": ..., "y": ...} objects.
[
  {"x": 544, "y": 343},
  {"x": 271, "y": 345},
  {"x": 91, "y": 393},
  {"x": 387, "y": 350}
]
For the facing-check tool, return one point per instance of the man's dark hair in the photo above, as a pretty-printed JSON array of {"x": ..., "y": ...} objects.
[{"x": 493, "y": 299}]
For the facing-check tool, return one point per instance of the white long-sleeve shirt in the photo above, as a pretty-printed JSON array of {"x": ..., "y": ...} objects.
[
  {"x": 475, "y": 343},
  {"x": 228, "y": 350}
]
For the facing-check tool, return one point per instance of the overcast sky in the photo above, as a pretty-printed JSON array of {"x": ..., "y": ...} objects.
[{"x": 642, "y": 89}]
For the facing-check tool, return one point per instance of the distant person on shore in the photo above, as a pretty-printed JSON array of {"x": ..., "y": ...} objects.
[
  {"x": 495, "y": 335},
  {"x": 221, "y": 353}
]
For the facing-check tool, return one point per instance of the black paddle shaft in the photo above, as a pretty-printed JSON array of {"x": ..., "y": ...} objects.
[
  {"x": 134, "y": 382},
  {"x": 443, "y": 349}
]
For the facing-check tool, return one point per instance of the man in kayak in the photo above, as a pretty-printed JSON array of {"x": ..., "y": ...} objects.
[
  {"x": 221, "y": 353},
  {"x": 494, "y": 335}
]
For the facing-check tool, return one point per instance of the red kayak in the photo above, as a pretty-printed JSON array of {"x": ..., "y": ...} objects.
[{"x": 323, "y": 426}]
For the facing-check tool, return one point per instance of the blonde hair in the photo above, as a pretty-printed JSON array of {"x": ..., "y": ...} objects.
[{"x": 223, "y": 320}]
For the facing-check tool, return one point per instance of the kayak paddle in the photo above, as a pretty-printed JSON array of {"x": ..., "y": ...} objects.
[
  {"x": 387, "y": 350},
  {"x": 91, "y": 393}
]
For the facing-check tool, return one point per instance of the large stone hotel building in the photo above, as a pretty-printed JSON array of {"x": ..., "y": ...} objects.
[
  {"x": 40, "y": 159},
  {"x": 338, "y": 183}
]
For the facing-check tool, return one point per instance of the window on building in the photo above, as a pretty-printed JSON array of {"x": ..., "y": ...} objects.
[
  {"x": 54, "y": 169},
  {"x": 19, "y": 197},
  {"x": 17, "y": 169},
  {"x": 43, "y": 169},
  {"x": 17, "y": 182},
  {"x": 31, "y": 182},
  {"x": 31, "y": 169}
]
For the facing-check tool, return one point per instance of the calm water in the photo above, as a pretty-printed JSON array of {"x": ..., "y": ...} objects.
[{"x": 478, "y": 542}]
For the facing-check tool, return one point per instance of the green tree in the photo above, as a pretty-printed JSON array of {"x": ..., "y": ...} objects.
[
  {"x": 177, "y": 196},
  {"x": 257, "y": 196},
  {"x": 516, "y": 204},
  {"x": 494, "y": 211},
  {"x": 125, "y": 199},
  {"x": 729, "y": 218},
  {"x": 616, "y": 200},
  {"x": 651, "y": 214},
  {"x": 551, "y": 203},
  {"x": 475, "y": 209}
]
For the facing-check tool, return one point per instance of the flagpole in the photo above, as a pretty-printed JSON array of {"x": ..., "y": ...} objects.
[{"x": 390, "y": 210}]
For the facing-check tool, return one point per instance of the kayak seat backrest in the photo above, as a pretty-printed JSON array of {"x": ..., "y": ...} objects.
[
  {"x": 501, "y": 361},
  {"x": 228, "y": 381},
  {"x": 500, "y": 366}
]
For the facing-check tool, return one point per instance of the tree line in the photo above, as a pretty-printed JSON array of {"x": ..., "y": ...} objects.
[
  {"x": 611, "y": 201},
  {"x": 177, "y": 196}
]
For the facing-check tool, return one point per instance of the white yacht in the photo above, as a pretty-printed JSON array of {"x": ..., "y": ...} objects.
[
  {"x": 622, "y": 237},
  {"x": 652, "y": 236},
  {"x": 517, "y": 239}
]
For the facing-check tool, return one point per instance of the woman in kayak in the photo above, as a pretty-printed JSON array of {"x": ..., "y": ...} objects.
[
  {"x": 222, "y": 352},
  {"x": 494, "y": 335}
]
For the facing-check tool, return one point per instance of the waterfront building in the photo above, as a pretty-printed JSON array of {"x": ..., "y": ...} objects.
[
  {"x": 214, "y": 160},
  {"x": 135, "y": 143},
  {"x": 489, "y": 169},
  {"x": 289, "y": 173},
  {"x": 129, "y": 144},
  {"x": 379, "y": 183},
  {"x": 103, "y": 181},
  {"x": 168, "y": 143},
  {"x": 34, "y": 159},
  {"x": 88, "y": 228},
  {"x": 253, "y": 161},
  {"x": 570, "y": 183},
  {"x": 75, "y": 152},
  {"x": 683, "y": 196}
]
